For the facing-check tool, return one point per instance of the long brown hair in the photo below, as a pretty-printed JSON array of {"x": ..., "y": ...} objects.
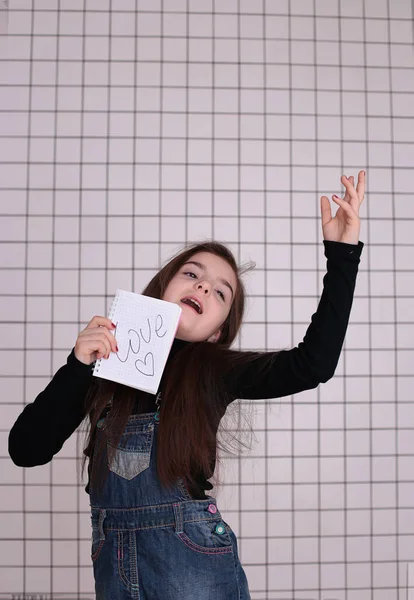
[{"x": 194, "y": 397}]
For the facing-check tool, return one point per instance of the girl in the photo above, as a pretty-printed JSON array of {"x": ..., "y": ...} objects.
[{"x": 156, "y": 534}]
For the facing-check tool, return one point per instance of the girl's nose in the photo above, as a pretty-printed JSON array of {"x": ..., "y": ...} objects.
[{"x": 204, "y": 287}]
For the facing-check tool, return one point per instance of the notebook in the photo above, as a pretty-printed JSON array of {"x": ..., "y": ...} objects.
[{"x": 145, "y": 331}]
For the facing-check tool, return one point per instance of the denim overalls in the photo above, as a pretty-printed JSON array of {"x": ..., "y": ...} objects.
[{"x": 153, "y": 543}]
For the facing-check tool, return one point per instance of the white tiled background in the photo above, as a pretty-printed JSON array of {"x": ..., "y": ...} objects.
[{"x": 129, "y": 127}]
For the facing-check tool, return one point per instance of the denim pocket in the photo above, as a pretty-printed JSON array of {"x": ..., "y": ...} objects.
[
  {"x": 201, "y": 536},
  {"x": 133, "y": 453},
  {"x": 97, "y": 545},
  {"x": 98, "y": 535}
]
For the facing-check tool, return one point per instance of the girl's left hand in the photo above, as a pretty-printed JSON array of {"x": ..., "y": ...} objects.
[{"x": 345, "y": 226}]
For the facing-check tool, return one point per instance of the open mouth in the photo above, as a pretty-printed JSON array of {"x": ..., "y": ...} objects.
[{"x": 193, "y": 303}]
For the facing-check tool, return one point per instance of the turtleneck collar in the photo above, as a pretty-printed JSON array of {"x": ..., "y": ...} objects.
[{"x": 176, "y": 346}]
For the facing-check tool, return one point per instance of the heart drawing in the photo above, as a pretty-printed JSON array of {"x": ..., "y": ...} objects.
[{"x": 147, "y": 365}]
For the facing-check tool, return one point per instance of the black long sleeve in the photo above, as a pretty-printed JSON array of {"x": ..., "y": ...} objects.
[
  {"x": 315, "y": 359},
  {"x": 45, "y": 424}
]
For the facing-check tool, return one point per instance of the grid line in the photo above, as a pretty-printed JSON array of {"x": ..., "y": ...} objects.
[{"x": 322, "y": 507}]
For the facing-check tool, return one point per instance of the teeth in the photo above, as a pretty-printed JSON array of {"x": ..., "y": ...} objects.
[
  {"x": 193, "y": 302},
  {"x": 196, "y": 303}
]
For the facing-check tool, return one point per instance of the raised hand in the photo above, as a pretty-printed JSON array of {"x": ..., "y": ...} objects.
[{"x": 345, "y": 226}]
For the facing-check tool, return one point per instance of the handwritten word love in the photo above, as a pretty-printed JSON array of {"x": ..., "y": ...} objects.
[{"x": 141, "y": 340}]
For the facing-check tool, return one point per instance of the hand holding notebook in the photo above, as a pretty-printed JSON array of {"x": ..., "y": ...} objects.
[{"x": 145, "y": 331}]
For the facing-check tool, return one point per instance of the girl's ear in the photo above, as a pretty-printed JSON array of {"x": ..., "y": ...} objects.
[{"x": 213, "y": 338}]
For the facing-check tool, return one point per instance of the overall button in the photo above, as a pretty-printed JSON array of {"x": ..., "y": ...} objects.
[
  {"x": 212, "y": 508},
  {"x": 220, "y": 529},
  {"x": 100, "y": 423}
]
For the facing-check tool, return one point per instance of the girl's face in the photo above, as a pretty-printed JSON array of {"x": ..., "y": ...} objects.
[{"x": 204, "y": 288}]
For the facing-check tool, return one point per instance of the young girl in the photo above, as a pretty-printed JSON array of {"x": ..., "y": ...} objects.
[{"x": 156, "y": 535}]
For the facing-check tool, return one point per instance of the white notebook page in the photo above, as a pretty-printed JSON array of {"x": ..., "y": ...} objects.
[{"x": 145, "y": 331}]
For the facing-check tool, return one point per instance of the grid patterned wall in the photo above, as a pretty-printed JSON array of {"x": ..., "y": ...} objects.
[{"x": 131, "y": 126}]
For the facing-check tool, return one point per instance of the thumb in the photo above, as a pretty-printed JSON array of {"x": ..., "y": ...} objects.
[{"x": 325, "y": 210}]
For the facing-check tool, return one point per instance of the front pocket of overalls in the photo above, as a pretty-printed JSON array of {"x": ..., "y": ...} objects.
[
  {"x": 201, "y": 536},
  {"x": 98, "y": 535},
  {"x": 133, "y": 453},
  {"x": 97, "y": 545}
]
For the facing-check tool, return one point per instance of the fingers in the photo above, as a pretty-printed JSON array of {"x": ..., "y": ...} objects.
[
  {"x": 93, "y": 343},
  {"x": 349, "y": 186},
  {"x": 325, "y": 210},
  {"x": 348, "y": 182},
  {"x": 102, "y": 335},
  {"x": 96, "y": 341},
  {"x": 99, "y": 326},
  {"x": 99, "y": 345},
  {"x": 361, "y": 185},
  {"x": 98, "y": 321}
]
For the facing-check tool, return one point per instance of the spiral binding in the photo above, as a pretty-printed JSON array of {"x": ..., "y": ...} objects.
[{"x": 110, "y": 316}]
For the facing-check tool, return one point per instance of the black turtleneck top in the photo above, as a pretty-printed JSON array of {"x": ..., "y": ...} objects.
[{"x": 45, "y": 424}]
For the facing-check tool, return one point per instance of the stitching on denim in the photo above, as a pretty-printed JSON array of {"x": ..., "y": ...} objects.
[
  {"x": 201, "y": 550},
  {"x": 178, "y": 514},
  {"x": 97, "y": 552},
  {"x": 133, "y": 563},
  {"x": 129, "y": 428},
  {"x": 144, "y": 450},
  {"x": 101, "y": 519},
  {"x": 181, "y": 486},
  {"x": 126, "y": 475},
  {"x": 141, "y": 417},
  {"x": 158, "y": 526},
  {"x": 236, "y": 575},
  {"x": 121, "y": 559},
  {"x": 132, "y": 587},
  {"x": 207, "y": 501}
]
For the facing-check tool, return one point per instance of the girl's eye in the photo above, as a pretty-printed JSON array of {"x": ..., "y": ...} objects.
[{"x": 194, "y": 276}]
